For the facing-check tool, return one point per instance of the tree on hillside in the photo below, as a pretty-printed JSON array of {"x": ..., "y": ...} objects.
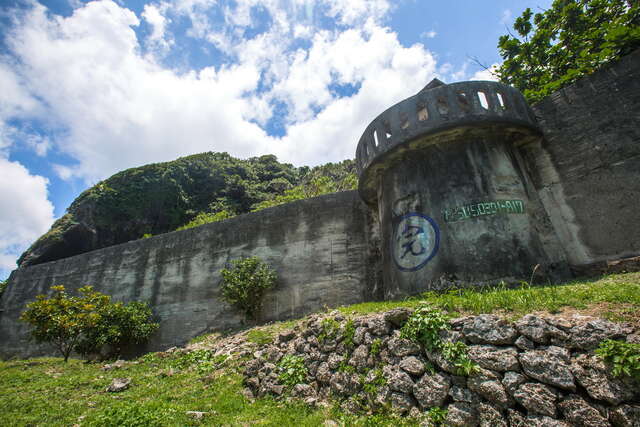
[{"x": 573, "y": 38}]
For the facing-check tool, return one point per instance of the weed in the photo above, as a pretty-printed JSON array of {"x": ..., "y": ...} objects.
[
  {"x": 292, "y": 370},
  {"x": 372, "y": 387},
  {"x": 260, "y": 336},
  {"x": 330, "y": 329},
  {"x": 203, "y": 360},
  {"x": 623, "y": 357},
  {"x": 456, "y": 353},
  {"x": 130, "y": 415},
  {"x": 424, "y": 326},
  {"x": 376, "y": 345},
  {"x": 437, "y": 415},
  {"x": 348, "y": 332}
]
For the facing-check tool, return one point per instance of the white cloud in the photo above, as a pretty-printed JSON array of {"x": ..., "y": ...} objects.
[
  {"x": 122, "y": 109},
  {"x": 487, "y": 74},
  {"x": 154, "y": 16},
  {"x": 26, "y": 212}
]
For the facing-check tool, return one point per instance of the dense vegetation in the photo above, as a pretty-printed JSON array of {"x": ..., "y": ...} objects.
[
  {"x": 186, "y": 192},
  {"x": 572, "y": 38}
]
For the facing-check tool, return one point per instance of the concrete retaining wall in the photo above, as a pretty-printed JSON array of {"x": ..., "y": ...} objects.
[
  {"x": 319, "y": 247},
  {"x": 587, "y": 169}
]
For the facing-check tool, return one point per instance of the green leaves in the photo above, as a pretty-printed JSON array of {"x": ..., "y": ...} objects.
[
  {"x": 87, "y": 322},
  {"x": 571, "y": 39},
  {"x": 292, "y": 370},
  {"x": 623, "y": 357},
  {"x": 244, "y": 284},
  {"x": 424, "y": 327}
]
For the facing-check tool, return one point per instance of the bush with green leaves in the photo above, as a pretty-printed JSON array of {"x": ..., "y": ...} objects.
[
  {"x": 244, "y": 284},
  {"x": 424, "y": 327},
  {"x": 292, "y": 370},
  {"x": 571, "y": 39},
  {"x": 624, "y": 357},
  {"x": 87, "y": 323}
]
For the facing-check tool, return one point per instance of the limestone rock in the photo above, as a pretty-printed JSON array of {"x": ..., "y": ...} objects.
[
  {"x": 461, "y": 394},
  {"x": 544, "y": 421},
  {"x": 625, "y": 416},
  {"x": 495, "y": 358},
  {"x": 489, "y": 329},
  {"x": 323, "y": 374},
  {"x": 490, "y": 416},
  {"x": 592, "y": 374},
  {"x": 538, "y": 330},
  {"x": 378, "y": 325},
  {"x": 412, "y": 365},
  {"x": 460, "y": 414},
  {"x": 397, "y": 379},
  {"x": 491, "y": 389},
  {"x": 402, "y": 402},
  {"x": 549, "y": 367},
  {"x": 524, "y": 343},
  {"x": 431, "y": 390},
  {"x": 589, "y": 335},
  {"x": 359, "y": 357},
  {"x": 119, "y": 384},
  {"x": 344, "y": 383},
  {"x": 512, "y": 380},
  {"x": 578, "y": 412},
  {"x": 402, "y": 347},
  {"x": 397, "y": 317},
  {"x": 537, "y": 398}
]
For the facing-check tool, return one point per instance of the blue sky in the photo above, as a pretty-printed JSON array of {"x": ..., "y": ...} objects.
[{"x": 91, "y": 88}]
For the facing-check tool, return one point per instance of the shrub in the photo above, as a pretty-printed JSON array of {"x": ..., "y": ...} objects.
[
  {"x": 87, "y": 322},
  {"x": 292, "y": 370},
  {"x": 424, "y": 326},
  {"x": 244, "y": 284},
  {"x": 623, "y": 357}
]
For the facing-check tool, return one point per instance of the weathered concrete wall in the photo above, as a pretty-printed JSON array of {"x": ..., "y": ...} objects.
[
  {"x": 587, "y": 169},
  {"x": 318, "y": 247}
]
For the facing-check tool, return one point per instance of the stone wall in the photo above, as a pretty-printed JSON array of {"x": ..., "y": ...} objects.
[
  {"x": 319, "y": 248},
  {"x": 587, "y": 168},
  {"x": 532, "y": 372}
]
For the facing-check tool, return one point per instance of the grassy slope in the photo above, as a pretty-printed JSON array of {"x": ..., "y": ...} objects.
[{"x": 50, "y": 392}]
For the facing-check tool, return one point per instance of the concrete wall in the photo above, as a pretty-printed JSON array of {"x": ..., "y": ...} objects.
[
  {"x": 587, "y": 169},
  {"x": 319, "y": 247}
]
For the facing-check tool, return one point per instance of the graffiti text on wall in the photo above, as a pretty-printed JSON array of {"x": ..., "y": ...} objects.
[
  {"x": 415, "y": 241},
  {"x": 495, "y": 207}
]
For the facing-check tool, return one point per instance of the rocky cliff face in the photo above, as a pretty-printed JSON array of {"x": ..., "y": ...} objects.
[{"x": 532, "y": 372}]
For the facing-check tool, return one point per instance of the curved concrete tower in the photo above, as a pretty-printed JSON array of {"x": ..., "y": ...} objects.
[{"x": 442, "y": 170}]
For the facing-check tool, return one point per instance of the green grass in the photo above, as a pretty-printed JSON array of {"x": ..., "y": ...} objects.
[
  {"x": 48, "y": 392},
  {"x": 615, "y": 289}
]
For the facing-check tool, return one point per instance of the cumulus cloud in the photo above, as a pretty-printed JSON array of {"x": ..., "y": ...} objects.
[
  {"x": 26, "y": 212},
  {"x": 120, "y": 108}
]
